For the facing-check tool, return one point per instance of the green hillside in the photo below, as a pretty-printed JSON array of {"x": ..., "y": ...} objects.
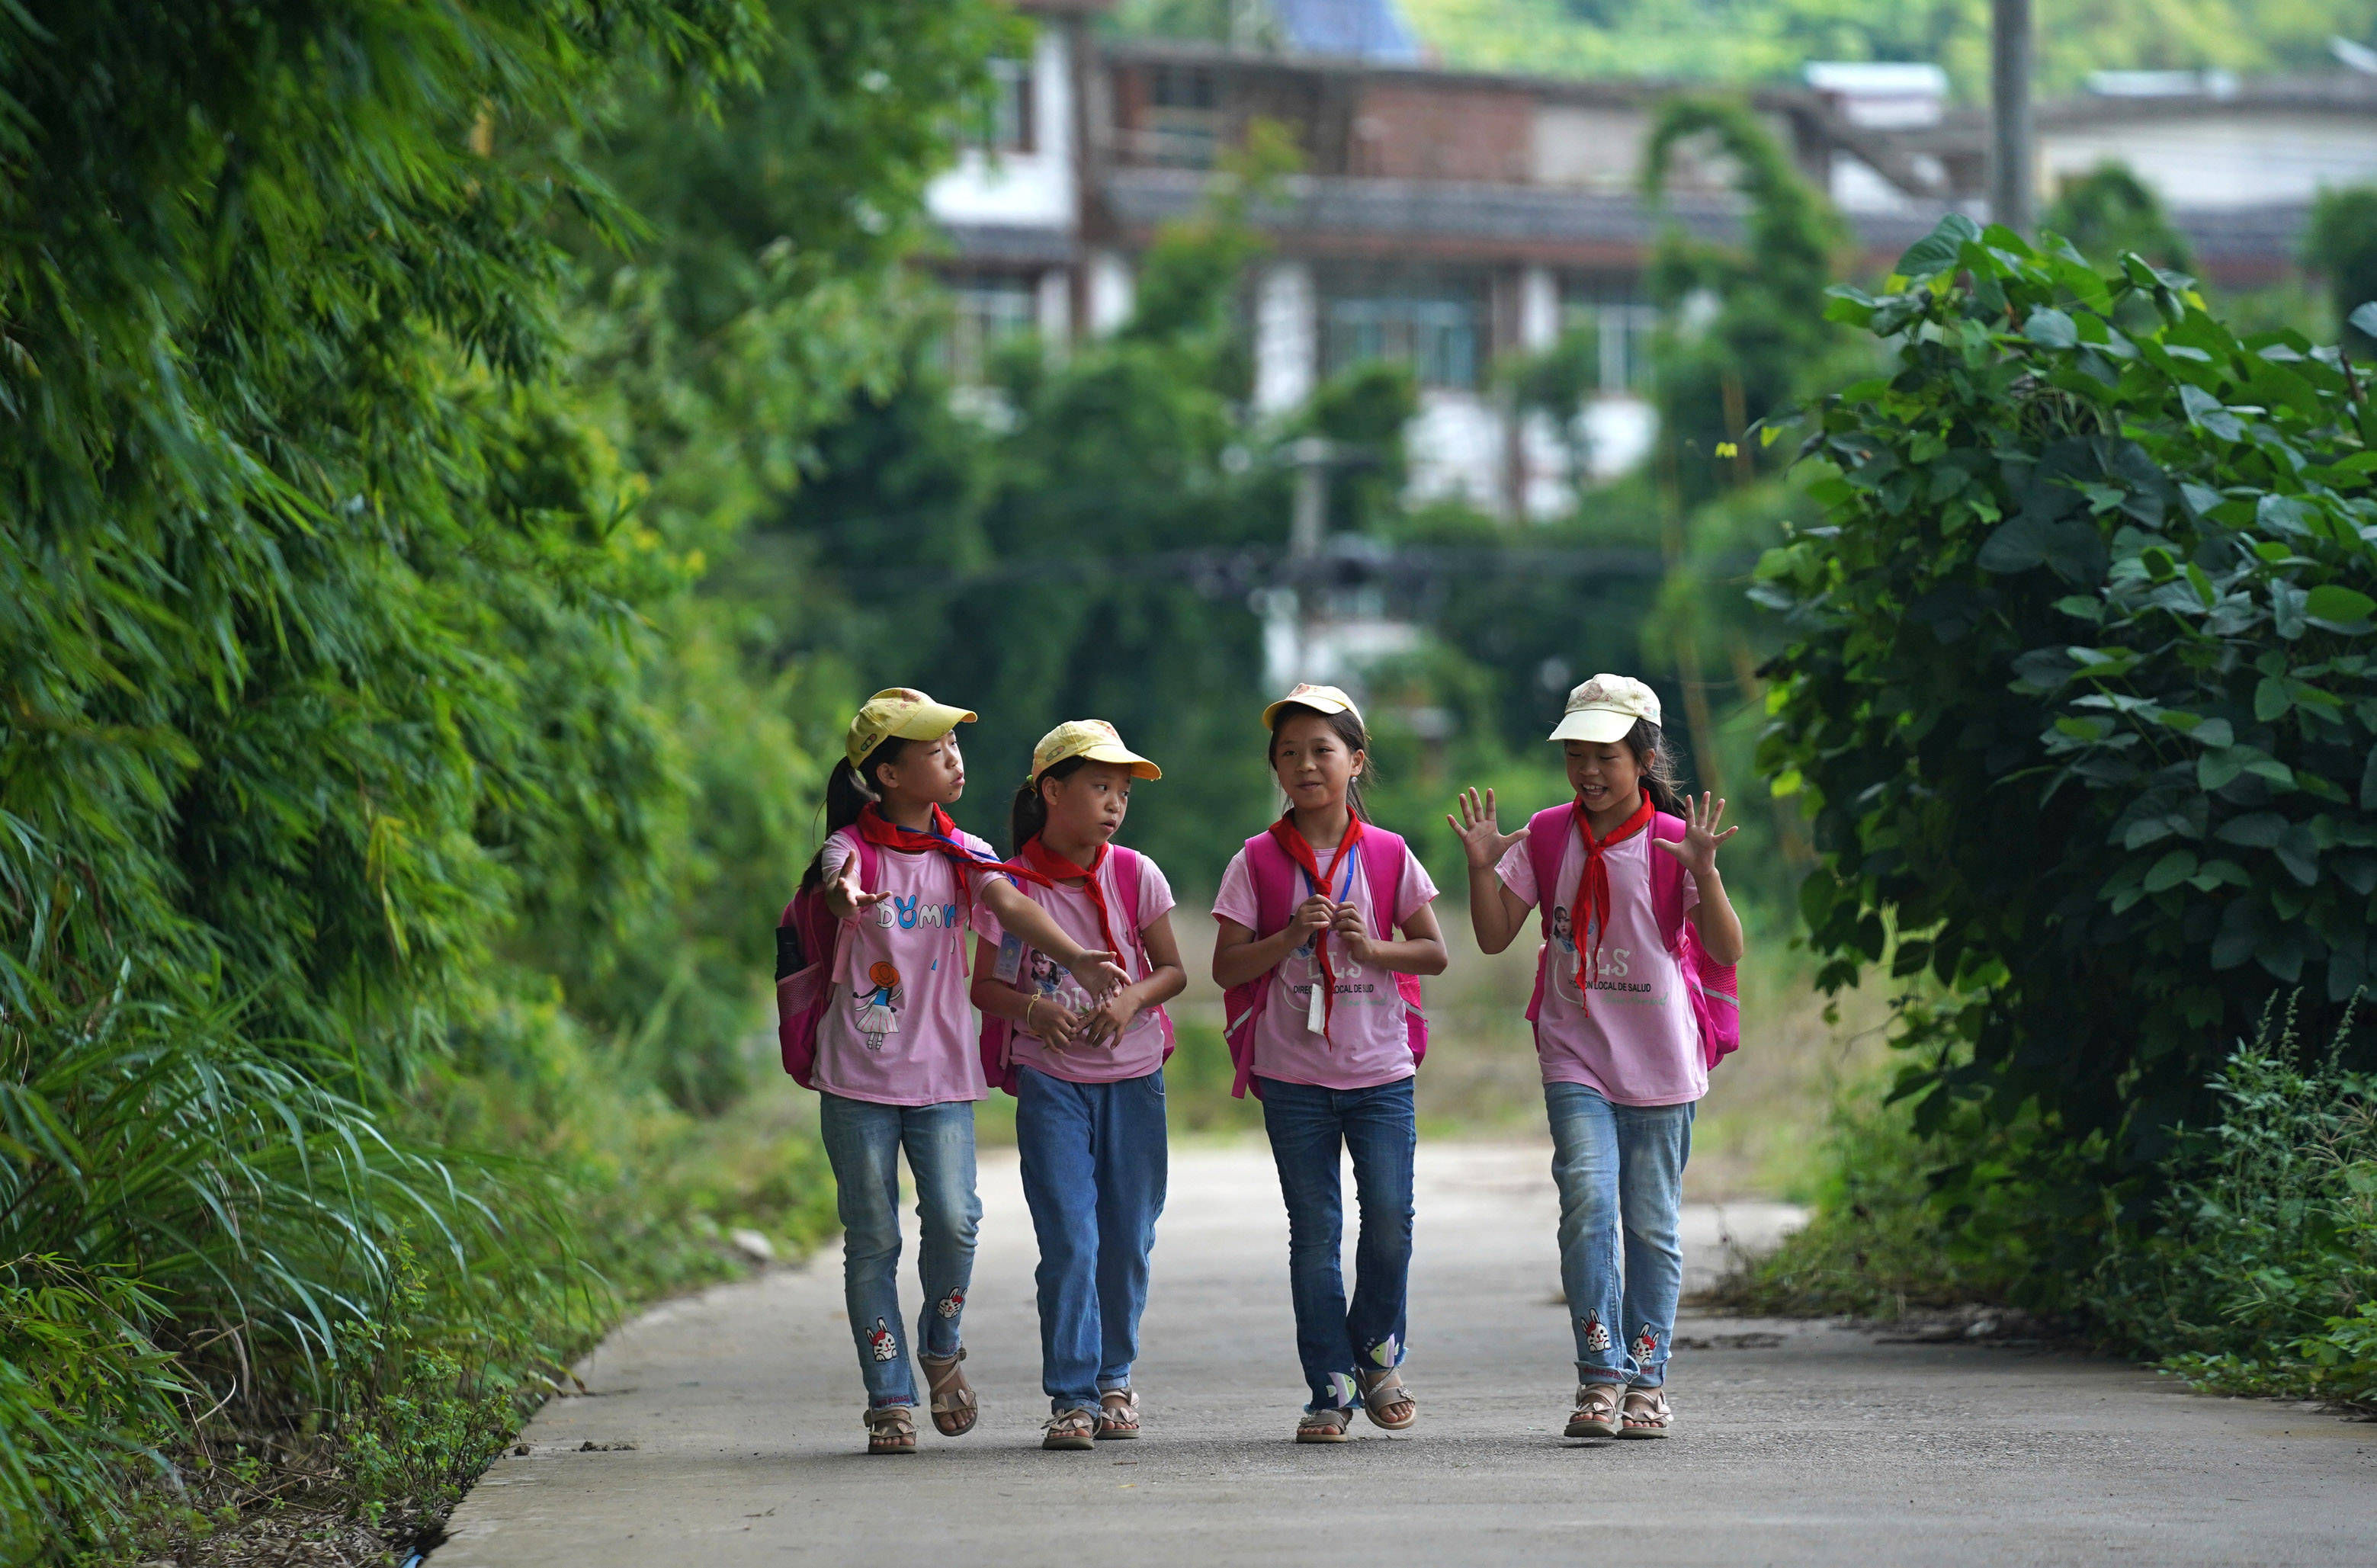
[
  {"x": 1748, "y": 40},
  {"x": 1769, "y": 40}
]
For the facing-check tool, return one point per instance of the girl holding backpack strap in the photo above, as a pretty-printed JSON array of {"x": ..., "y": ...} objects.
[
  {"x": 1324, "y": 1023},
  {"x": 871, "y": 993},
  {"x": 1634, "y": 1002},
  {"x": 1088, "y": 1076}
]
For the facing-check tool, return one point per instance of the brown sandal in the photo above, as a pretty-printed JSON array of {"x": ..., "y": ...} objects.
[
  {"x": 1327, "y": 1424},
  {"x": 1596, "y": 1411},
  {"x": 1119, "y": 1414},
  {"x": 890, "y": 1429},
  {"x": 1381, "y": 1392},
  {"x": 955, "y": 1408},
  {"x": 1076, "y": 1428},
  {"x": 1646, "y": 1413}
]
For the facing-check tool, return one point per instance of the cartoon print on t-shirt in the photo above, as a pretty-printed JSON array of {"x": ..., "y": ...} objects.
[
  {"x": 1596, "y": 1336},
  {"x": 1042, "y": 974},
  {"x": 880, "y": 1343},
  {"x": 878, "y": 1009}
]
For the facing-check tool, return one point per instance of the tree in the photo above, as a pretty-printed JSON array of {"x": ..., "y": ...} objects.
[
  {"x": 2078, "y": 694},
  {"x": 2108, "y": 210},
  {"x": 2341, "y": 245}
]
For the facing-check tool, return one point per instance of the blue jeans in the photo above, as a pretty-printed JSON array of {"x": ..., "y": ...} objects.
[
  {"x": 1619, "y": 1167},
  {"x": 1308, "y": 1125},
  {"x": 1094, "y": 1172},
  {"x": 863, "y": 1140}
]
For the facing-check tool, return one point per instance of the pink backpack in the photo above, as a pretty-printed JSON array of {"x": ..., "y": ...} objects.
[
  {"x": 1716, "y": 1000},
  {"x": 809, "y": 954},
  {"x": 1381, "y": 854},
  {"x": 998, "y": 1037}
]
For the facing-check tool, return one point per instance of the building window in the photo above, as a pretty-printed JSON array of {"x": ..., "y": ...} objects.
[
  {"x": 1440, "y": 333},
  {"x": 1183, "y": 124},
  {"x": 1622, "y": 327},
  {"x": 987, "y": 312},
  {"x": 1011, "y": 129}
]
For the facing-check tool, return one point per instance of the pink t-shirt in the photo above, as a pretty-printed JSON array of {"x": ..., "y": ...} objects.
[
  {"x": 899, "y": 1030},
  {"x": 1367, "y": 1044},
  {"x": 1141, "y": 1049},
  {"x": 1640, "y": 1043}
]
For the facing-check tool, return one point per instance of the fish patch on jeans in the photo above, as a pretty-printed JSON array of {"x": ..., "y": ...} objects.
[
  {"x": 1596, "y": 1335},
  {"x": 950, "y": 1306},
  {"x": 1384, "y": 1353},
  {"x": 880, "y": 1343},
  {"x": 1341, "y": 1392}
]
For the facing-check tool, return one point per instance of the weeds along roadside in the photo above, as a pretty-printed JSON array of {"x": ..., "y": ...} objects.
[{"x": 2252, "y": 1269}]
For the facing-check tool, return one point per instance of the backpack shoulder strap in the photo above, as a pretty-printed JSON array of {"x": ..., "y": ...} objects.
[
  {"x": 1547, "y": 832},
  {"x": 1666, "y": 880},
  {"x": 1273, "y": 874},
  {"x": 1383, "y": 855},
  {"x": 1127, "y": 877}
]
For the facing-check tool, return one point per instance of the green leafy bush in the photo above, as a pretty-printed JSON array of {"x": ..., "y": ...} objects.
[
  {"x": 2080, "y": 693},
  {"x": 2261, "y": 1275}
]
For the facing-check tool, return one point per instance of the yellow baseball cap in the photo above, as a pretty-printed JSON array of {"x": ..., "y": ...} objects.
[
  {"x": 903, "y": 713},
  {"x": 1092, "y": 738},
  {"x": 1319, "y": 699},
  {"x": 1604, "y": 710}
]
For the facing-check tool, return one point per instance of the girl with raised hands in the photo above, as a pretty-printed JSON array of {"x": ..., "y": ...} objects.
[
  {"x": 1087, "y": 1075},
  {"x": 887, "y": 1041},
  {"x": 1324, "y": 1025},
  {"x": 1633, "y": 1004}
]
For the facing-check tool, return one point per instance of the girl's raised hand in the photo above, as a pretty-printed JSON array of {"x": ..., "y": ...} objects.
[
  {"x": 1697, "y": 848},
  {"x": 1482, "y": 838},
  {"x": 844, "y": 897}
]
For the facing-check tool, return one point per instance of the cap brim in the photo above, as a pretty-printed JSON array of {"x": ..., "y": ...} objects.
[
  {"x": 929, "y": 721},
  {"x": 1594, "y": 726},
  {"x": 1122, "y": 757},
  {"x": 1311, "y": 704}
]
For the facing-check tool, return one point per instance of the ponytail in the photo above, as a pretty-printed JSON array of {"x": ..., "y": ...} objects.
[
  {"x": 1029, "y": 813},
  {"x": 847, "y": 795},
  {"x": 1657, "y": 767}
]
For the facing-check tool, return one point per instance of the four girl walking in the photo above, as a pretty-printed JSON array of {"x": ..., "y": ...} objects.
[{"x": 1324, "y": 926}]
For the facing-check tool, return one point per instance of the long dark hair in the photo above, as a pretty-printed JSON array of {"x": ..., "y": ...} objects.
[
  {"x": 1657, "y": 767},
  {"x": 1350, "y": 730},
  {"x": 1029, "y": 813},
  {"x": 846, "y": 794}
]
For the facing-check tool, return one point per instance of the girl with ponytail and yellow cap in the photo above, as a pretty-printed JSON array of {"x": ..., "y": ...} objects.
[
  {"x": 893, "y": 1057},
  {"x": 1087, "y": 1070}
]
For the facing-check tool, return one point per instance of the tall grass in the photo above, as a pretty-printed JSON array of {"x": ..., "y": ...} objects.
[{"x": 201, "y": 1233}]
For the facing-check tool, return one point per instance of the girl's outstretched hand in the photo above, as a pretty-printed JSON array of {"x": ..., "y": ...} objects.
[
  {"x": 844, "y": 897},
  {"x": 1697, "y": 848},
  {"x": 1482, "y": 838}
]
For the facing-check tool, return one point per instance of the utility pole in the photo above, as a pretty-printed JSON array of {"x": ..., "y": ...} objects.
[{"x": 2011, "y": 168}]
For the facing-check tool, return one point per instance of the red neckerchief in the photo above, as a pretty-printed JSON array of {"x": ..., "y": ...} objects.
[
  {"x": 1056, "y": 866},
  {"x": 1593, "y": 888},
  {"x": 1287, "y": 838},
  {"x": 941, "y": 839}
]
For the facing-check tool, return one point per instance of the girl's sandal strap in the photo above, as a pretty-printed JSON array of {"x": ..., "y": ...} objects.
[
  {"x": 1596, "y": 1410},
  {"x": 1645, "y": 1413},
  {"x": 890, "y": 1429},
  {"x": 1118, "y": 1413},
  {"x": 1327, "y": 1424},
  {"x": 1076, "y": 1428},
  {"x": 955, "y": 1407},
  {"x": 1382, "y": 1392}
]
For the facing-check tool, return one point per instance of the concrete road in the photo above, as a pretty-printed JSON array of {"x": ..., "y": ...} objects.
[{"x": 1795, "y": 1442}]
